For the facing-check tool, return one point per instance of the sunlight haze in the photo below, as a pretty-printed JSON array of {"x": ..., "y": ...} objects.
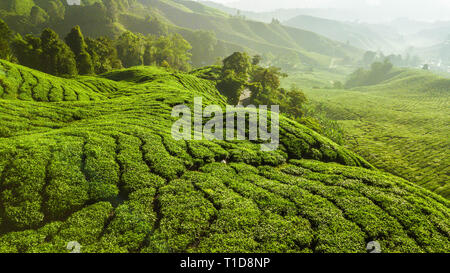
[{"x": 370, "y": 10}]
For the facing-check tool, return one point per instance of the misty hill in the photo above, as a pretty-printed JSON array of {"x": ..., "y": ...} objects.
[
  {"x": 331, "y": 23},
  {"x": 366, "y": 36},
  {"x": 185, "y": 17},
  {"x": 354, "y": 10},
  {"x": 259, "y": 37},
  {"x": 91, "y": 159},
  {"x": 286, "y": 14}
]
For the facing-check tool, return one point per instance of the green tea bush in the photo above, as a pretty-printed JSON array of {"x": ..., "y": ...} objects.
[{"x": 91, "y": 160}]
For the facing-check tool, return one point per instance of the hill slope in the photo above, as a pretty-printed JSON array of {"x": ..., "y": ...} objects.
[
  {"x": 366, "y": 36},
  {"x": 258, "y": 36},
  {"x": 104, "y": 171},
  {"x": 400, "y": 125},
  {"x": 185, "y": 17}
]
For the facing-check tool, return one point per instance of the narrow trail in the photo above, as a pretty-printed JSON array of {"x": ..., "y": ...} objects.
[{"x": 245, "y": 95}]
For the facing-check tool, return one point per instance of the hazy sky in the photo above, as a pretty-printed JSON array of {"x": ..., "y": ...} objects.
[{"x": 385, "y": 9}]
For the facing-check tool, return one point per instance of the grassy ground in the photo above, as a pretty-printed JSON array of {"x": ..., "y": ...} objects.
[
  {"x": 401, "y": 126},
  {"x": 100, "y": 167}
]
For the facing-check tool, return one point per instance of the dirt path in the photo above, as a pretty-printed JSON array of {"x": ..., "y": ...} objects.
[{"x": 245, "y": 95}]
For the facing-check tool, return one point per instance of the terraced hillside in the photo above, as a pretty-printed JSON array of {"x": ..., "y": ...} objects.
[
  {"x": 401, "y": 125},
  {"x": 92, "y": 160}
]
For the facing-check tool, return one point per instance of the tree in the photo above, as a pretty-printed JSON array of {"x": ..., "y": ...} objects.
[
  {"x": 268, "y": 77},
  {"x": 130, "y": 49},
  {"x": 256, "y": 60},
  {"x": 296, "y": 100},
  {"x": 275, "y": 21},
  {"x": 46, "y": 53},
  {"x": 231, "y": 86},
  {"x": 38, "y": 16},
  {"x": 172, "y": 49},
  {"x": 112, "y": 9},
  {"x": 234, "y": 76},
  {"x": 56, "y": 57},
  {"x": 203, "y": 46},
  {"x": 75, "y": 41},
  {"x": 28, "y": 50},
  {"x": 20, "y": 7},
  {"x": 149, "y": 55},
  {"x": 239, "y": 62},
  {"x": 103, "y": 54},
  {"x": 156, "y": 26},
  {"x": 377, "y": 73},
  {"x": 369, "y": 58},
  {"x": 5, "y": 38},
  {"x": 338, "y": 85},
  {"x": 54, "y": 8}
]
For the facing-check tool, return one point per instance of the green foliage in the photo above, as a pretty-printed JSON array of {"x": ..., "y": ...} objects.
[
  {"x": 296, "y": 101},
  {"x": 220, "y": 35},
  {"x": 21, "y": 7},
  {"x": 129, "y": 49},
  {"x": 369, "y": 58},
  {"x": 103, "y": 54},
  {"x": 231, "y": 86},
  {"x": 172, "y": 49},
  {"x": 239, "y": 62},
  {"x": 268, "y": 79},
  {"x": 27, "y": 50},
  {"x": 47, "y": 53},
  {"x": 104, "y": 171},
  {"x": 203, "y": 44},
  {"x": 378, "y": 72},
  {"x": 54, "y": 8},
  {"x": 234, "y": 76},
  {"x": 169, "y": 51},
  {"x": 56, "y": 57},
  {"x": 38, "y": 16},
  {"x": 75, "y": 40},
  {"x": 5, "y": 38},
  {"x": 156, "y": 26},
  {"x": 400, "y": 125}
]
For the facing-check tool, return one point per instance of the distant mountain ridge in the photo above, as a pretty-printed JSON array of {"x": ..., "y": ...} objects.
[
  {"x": 370, "y": 37},
  {"x": 273, "y": 38},
  {"x": 299, "y": 46}
]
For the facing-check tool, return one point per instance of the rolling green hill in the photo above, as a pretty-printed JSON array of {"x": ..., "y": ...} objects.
[
  {"x": 91, "y": 160},
  {"x": 258, "y": 36},
  {"x": 186, "y": 17},
  {"x": 400, "y": 125}
]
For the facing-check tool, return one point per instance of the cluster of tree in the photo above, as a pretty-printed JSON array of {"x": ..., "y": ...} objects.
[
  {"x": 77, "y": 55},
  {"x": 289, "y": 60},
  {"x": 397, "y": 60},
  {"x": 98, "y": 18},
  {"x": 50, "y": 11},
  {"x": 168, "y": 51},
  {"x": 378, "y": 72},
  {"x": 241, "y": 73},
  {"x": 46, "y": 53},
  {"x": 5, "y": 38}
]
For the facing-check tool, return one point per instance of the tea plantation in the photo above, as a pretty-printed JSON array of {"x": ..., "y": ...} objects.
[
  {"x": 401, "y": 125},
  {"x": 91, "y": 160}
]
